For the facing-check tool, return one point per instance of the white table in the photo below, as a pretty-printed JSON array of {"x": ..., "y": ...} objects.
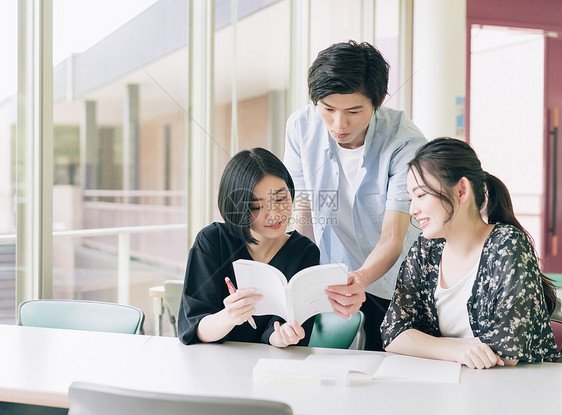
[{"x": 37, "y": 365}]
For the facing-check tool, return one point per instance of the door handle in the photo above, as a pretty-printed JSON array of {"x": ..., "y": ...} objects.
[{"x": 554, "y": 133}]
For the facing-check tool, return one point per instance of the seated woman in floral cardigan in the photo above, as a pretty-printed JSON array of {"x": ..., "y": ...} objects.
[{"x": 470, "y": 289}]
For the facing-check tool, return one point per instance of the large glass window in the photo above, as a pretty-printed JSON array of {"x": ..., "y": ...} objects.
[
  {"x": 120, "y": 93},
  {"x": 333, "y": 21},
  {"x": 252, "y": 59},
  {"x": 8, "y": 89},
  {"x": 387, "y": 29}
]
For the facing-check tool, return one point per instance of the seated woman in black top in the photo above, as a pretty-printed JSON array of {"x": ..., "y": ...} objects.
[{"x": 255, "y": 199}]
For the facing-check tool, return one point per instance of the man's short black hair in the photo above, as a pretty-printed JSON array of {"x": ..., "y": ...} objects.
[
  {"x": 236, "y": 190},
  {"x": 348, "y": 68}
]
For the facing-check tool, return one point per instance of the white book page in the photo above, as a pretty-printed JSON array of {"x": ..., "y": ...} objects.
[
  {"x": 417, "y": 369},
  {"x": 308, "y": 286},
  {"x": 268, "y": 281}
]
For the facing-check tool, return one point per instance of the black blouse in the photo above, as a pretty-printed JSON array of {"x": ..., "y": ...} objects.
[{"x": 204, "y": 290}]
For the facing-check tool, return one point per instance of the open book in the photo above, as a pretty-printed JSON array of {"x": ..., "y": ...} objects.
[
  {"x": 344, "y": 369},
  {"x": 299, "y": 299}
]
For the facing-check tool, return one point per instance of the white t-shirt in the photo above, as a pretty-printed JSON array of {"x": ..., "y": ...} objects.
[
  {"x": 451, "y": 305},
  {"x": 349, "y": 160}
]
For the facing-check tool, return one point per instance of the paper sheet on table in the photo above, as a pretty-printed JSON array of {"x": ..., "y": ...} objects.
[
  {"x": 417, "y": 369},
  {"x": 344, "y": 369}
]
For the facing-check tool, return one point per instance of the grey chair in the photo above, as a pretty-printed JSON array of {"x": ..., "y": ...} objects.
[
  {"x": 557, "y": 313},
  {"x": 81, "y": 315},
  {"x": 172, "y": 298},
  {"x": 94, "y": 399}
]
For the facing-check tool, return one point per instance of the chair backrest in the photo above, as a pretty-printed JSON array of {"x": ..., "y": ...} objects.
[
  {"x": 81, "y": 315},
  {"x": 557, "y": 330},
  {"x": 93, "y": 399},
  {"x": 330, "y": 330},
  {"x": 557, "y": 313},
  {"x": 172, "y": 297}
]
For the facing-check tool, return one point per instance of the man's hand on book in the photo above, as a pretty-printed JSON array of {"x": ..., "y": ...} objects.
[
  {"x": 238, "y": 306},
  {"x": 347, "y": 299},
  {"x": 286, "y": 334}
]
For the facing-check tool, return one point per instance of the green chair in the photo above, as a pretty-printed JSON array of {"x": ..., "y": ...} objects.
[
  {"x": 172, "y": 297},
  {"x": 556, "y": 280},
  {"x": 81, "y": 315},
  {"x": 330, "y": 330}
]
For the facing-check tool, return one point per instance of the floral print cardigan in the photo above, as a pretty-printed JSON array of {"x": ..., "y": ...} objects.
[{"x": 506, "y": 310}]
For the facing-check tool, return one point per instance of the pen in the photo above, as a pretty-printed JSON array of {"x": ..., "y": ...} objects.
[{"x": 232, "y": 290}]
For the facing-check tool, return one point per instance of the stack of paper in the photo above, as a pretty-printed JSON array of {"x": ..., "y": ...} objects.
[{"x": 347, "y": 369}]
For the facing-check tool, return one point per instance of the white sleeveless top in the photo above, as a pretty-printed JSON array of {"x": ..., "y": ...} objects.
[{"x": 451, "y": 305}]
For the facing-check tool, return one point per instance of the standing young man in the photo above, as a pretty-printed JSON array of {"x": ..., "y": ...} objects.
[{"x": 348, "y": 157}]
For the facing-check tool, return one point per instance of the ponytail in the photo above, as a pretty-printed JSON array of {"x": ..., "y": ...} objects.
[{"x": 499, "y": 208}]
